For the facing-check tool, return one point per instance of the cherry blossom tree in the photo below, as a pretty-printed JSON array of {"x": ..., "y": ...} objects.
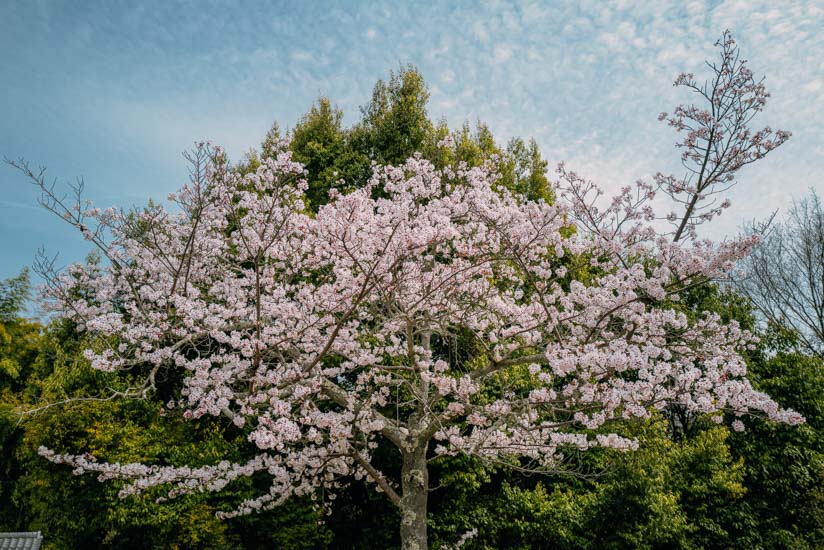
[{"x": 322, "y": 335}]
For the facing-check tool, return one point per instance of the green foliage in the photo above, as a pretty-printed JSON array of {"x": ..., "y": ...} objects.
[
  {"x": 18, "y": 337},
  {"x": 785, "y": 464},
  {"x": 13, "y": 295},
  {"x": 665, "y": 495},
  {"x": 272, "y": 142},
  {"x": 18, "y": 347},
  {"x": 522, "y": 168},
  {"x": 363, "y": 519},
  {"x": 394, "y": 123},
  {"x": 320, "y": 143},
  {"x": 524, "y": 171},
  {"x": 79, "y": 511}
]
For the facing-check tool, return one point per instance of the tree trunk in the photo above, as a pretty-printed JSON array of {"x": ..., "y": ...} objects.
[{"x": 415, "y": 492}]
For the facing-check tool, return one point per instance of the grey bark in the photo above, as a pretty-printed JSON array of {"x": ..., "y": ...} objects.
[{"x": 414, "y": 495}]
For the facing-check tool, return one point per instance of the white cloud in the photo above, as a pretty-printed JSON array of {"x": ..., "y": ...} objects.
[
  {"x": 301, "y": 55},
  {"x": 479, "y": 31},
  {"x": 813, "y": 86},
  {"x": 502, "y": 53}
]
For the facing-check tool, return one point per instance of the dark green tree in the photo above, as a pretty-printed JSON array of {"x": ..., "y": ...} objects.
[
  {"x": 785, "y": 465},
  {"x": 395, "y": 124},
  {"x": 319, "y": 142}
]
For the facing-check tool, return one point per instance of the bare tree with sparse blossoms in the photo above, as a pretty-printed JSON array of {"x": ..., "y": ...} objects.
[{"x": 718, "y": 140}]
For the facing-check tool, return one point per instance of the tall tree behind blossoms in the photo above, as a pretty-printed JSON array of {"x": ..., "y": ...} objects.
[
  {"x": 317, "y": 142},
  {"x": 323, "y": 335},
  {"x": 394, "y": 124}
]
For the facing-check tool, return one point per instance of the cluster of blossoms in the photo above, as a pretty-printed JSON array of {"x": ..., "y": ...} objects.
[{"x": 321, "y": 334}]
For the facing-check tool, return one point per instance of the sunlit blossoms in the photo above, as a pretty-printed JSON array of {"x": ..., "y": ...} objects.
[{"x": 320, "y": 335}]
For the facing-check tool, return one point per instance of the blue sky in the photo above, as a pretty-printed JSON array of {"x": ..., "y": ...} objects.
[{"x": 114, "y": 91}]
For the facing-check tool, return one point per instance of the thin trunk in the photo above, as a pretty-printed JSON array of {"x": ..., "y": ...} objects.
[
  {"x": 700, "y": 186},
  {"x": 415, "y": 492}
]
